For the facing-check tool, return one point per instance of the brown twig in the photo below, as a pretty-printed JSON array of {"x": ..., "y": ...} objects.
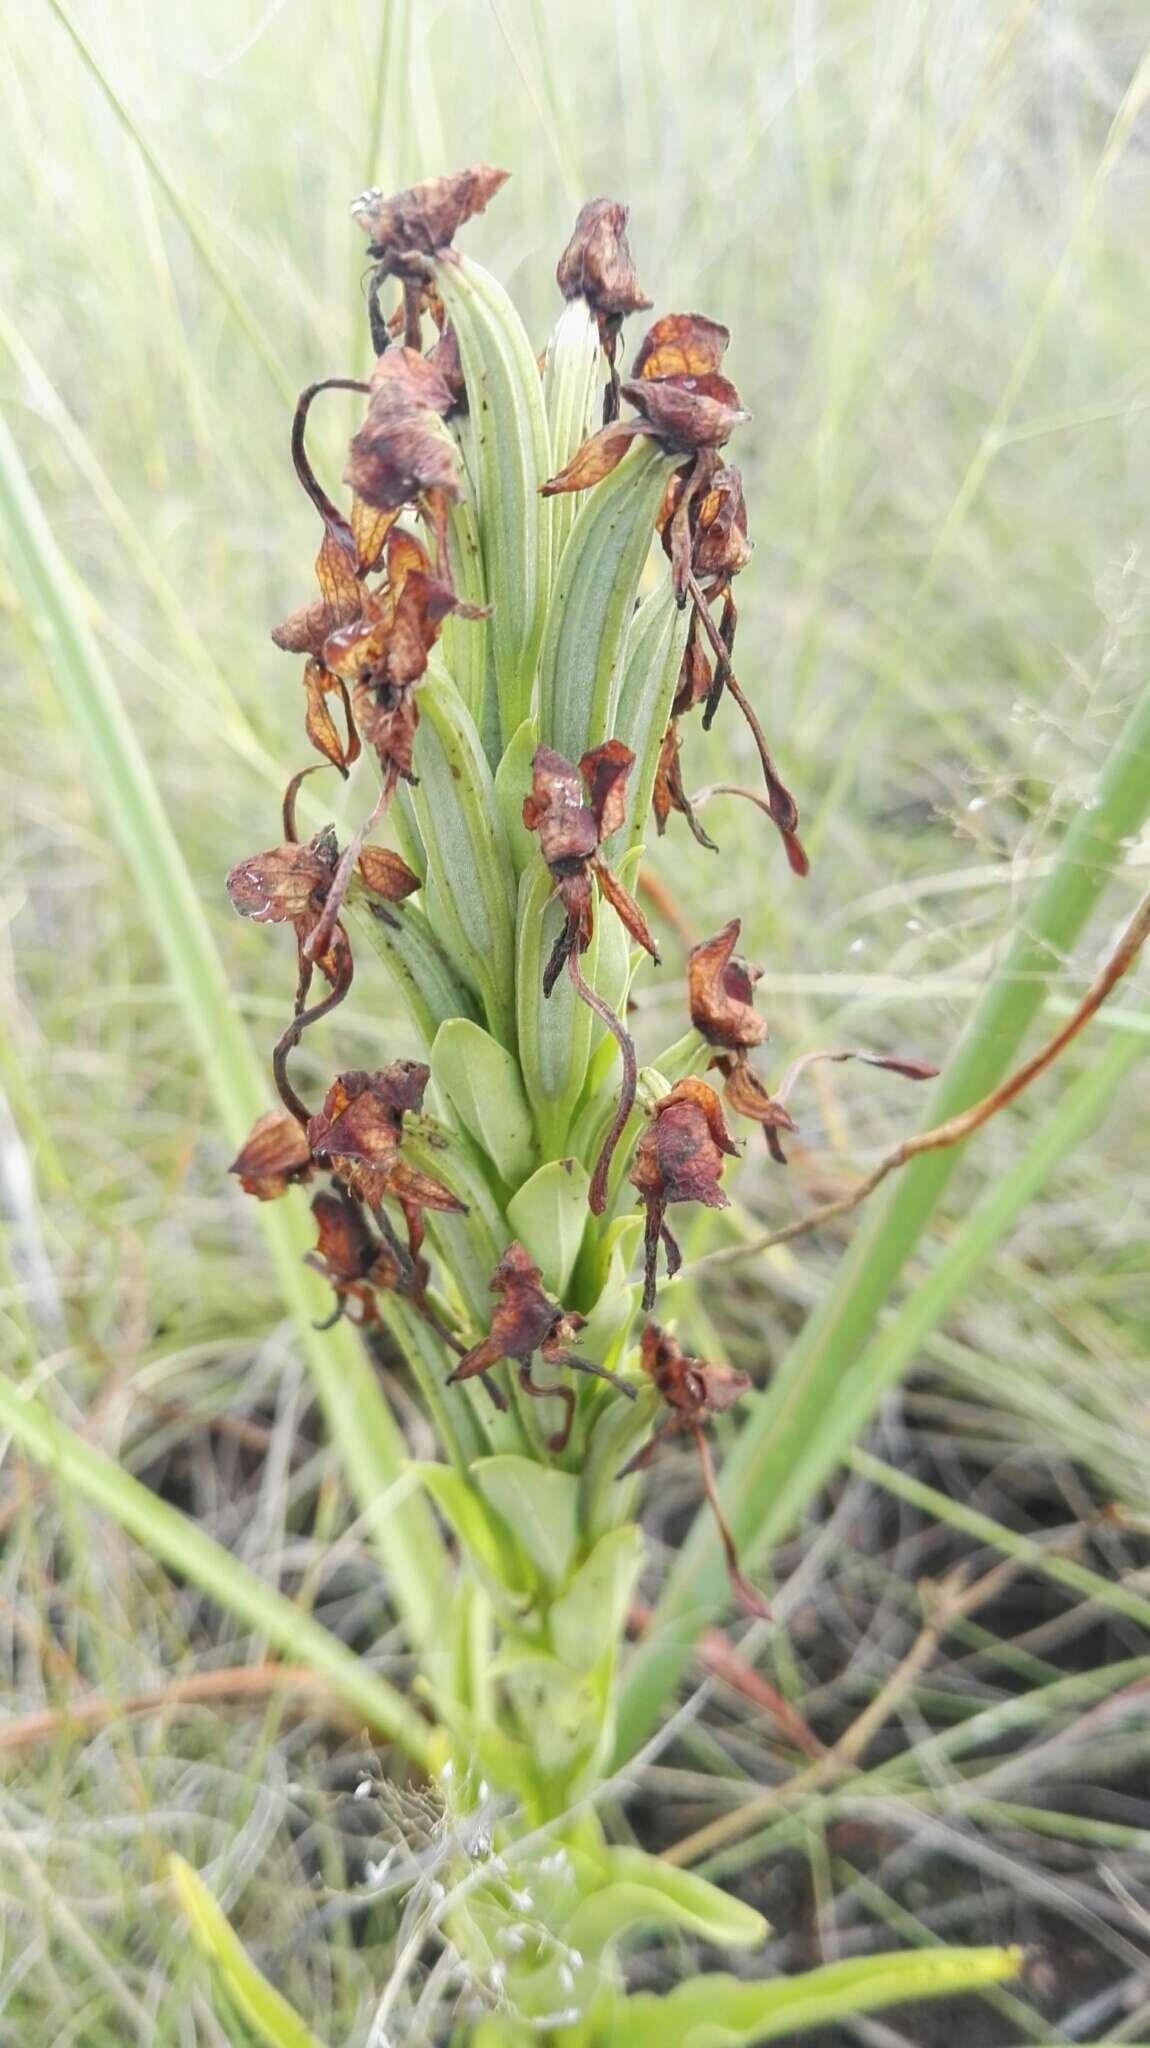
[
  {"x": 720, "y": 1657},
  {"x": 93, "y": 1710},
  {"x": 954, "y": 1130}
]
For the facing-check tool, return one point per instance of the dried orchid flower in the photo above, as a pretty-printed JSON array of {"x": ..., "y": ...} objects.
[
  {"x": 274, "y": 1157},
  {"x": 574, "y": 812},
  {"x": 720, "y": 992},
  {"x": 687, "y": 405},
  {"x": 526, "y": 1320},
  {"x": 596, "y": 266},
  {"x": 679, "y": 1158},
  {"x": 352, "y": 1258},
  {"x": 298, "y": 885},
  {"x": 406, "y": 230},
  {"x": 358, "y": 1133},
  {"x": 695, "y": 1389}
]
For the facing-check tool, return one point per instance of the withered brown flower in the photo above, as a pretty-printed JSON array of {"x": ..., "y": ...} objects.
[
  {"x": 720, "y": 991},
  {"x": 597, "y": 266},
  {"x": 682, "y": 401},
  {"x": 349, "y": 1254},
  {"x": 679, "y": 1158},
  {"x": 574, "y": 813},
  {"x": 400, "y": 453},
  {"x": 300, "y": 886},
  {"x": 411, "y": 226},
  {"x": 274, "y": 1156},
  {"x": 694, "y": 1389},
  {"x": 526, "y": 1320},
  {"x": 384, "y": 655},
  {"x": 406, "y": 231},
  {"x": 359, "y": 1131}
]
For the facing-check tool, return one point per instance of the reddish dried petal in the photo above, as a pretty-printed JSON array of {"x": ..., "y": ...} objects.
[
  {"x": 320, "y": 684},
  {"x": 568, "y": 833},
  {"x": 417, "y": 223},
  {"x": 626, "y": 909},
  {"x": 595, "y": 459},
  {"x": 720, "y": 990},
  {"x": 371, "y": 528},
  {"x": 362, "y": 1114},
  {"x": 721, "y": 547},
  {"x": 605, "y": 770},
  {"x": 422, "y": 1190},
  {"x": 688, "y": 412},
  {"x": 681, "y": 345},
  {"x": 746, "y": 1095},
  {"x": 392, "y": 462},
  {"x": 385, "y": 874},
  {"x": 274, "y": 1156},
  {"x": 286, "y": 883},
  {"x": 346, "y": 1248}
]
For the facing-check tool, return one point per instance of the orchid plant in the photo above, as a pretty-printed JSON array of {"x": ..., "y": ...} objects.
[{"x": 526, "y": 594}]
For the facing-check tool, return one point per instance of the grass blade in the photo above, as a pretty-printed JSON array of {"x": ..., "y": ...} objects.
[
  {"x": 357, "y": 1415},
  {"x": 196, "y": 229},
  {"x": 166, "y": 1533},
  {"x": 275, "y": 2021}
]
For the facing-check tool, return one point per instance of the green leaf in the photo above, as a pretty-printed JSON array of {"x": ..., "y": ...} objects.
[
  {"x": 539, "y": 1504},
  {"x": 719, "y": 2011},
  {"x": 471, "y": 1244},
  {"x": 511, "y": 457},
  {"x": 423, "y": 975},
  {"x": 549, "y": 1215},
  {"x": 650, "y": 676},
  {"x": 572, "y": 384},
  {"x": 554, "y": 1031},
  {"x": 464, "y": 641},
  {"x": 179, "y": 1542},
  {"x": 588, "y": 1619},
  {"x": 470, "y": 886},
  {"x": 619, "y": 1429},
  {"x": 560, "y": 1711},
  {"x": 592, "y": 602},
  {"x": 512, "y": 783},
  {"x": 261, "y": 2004},
  {"x": 640, "y": 1891},
  {"x": 481, "y": 1081},
  {"x": 490, "y": 1538}
]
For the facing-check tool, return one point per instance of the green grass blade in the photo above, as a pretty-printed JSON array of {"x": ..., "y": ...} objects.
[
  {"x": 357, "y": 1414},
  {"x": 196, "y": 228},
  {"x": 275, "y": 2021},
  {"x": 166, "y": 1533},
  {"x": 830, "y": 1381},
  {"x": 1078, "y": 1578}
]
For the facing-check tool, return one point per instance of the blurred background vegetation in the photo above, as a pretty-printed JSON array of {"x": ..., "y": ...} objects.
[{"x": 924, "y": 223}]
